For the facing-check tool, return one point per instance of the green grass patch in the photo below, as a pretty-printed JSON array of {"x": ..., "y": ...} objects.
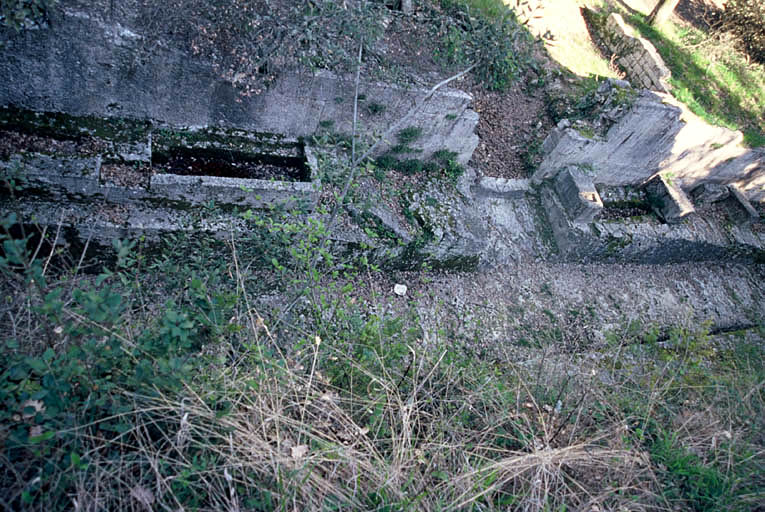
[{"x": 712, "y": 77}]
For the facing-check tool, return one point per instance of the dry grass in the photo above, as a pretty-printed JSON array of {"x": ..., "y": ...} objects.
[
  {"x": 267, "y": 416},
  {"x": 292, "y": 435}
]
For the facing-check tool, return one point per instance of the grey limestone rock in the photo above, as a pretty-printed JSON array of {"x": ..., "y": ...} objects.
[
  {"x": 708, "y": 193},
  {"x": 739, "y": 208},
  {"x": 578, "y": 195},
  {"x": 668, "y": 201},
  {"x": 92, "y": 60}
]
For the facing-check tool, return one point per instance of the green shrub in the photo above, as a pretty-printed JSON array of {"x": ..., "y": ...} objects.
[
  {"x": 447, "y": 161},
  {"x": 21, "y": 14},
  {"x": 376, "y": 108},
  {"x": 386, "y": 162},
  {"x": 488, "y": 35},
  {"x": 687, "y": 478},
  {"x": 411, "y": 166},
  {"x": 746, "y": 20},
  {"x": 409, "y": 134}
]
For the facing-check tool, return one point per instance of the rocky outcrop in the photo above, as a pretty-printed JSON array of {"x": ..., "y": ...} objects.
[
  {"x": 655, "y": 223},
  {"x": 657, "y": 134},
  {"x": 93, "y": 60}
]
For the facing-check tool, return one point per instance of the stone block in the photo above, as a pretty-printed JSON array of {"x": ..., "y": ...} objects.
[
  {"x": 74, "y": 177},
  {"x": 708, "y": 193},
  {"x": 561, "y": 146},
  {"x": 502, "y": 187},
  {"x": 669, "y": 202},
  {"x": 616, "y": 24},
  {"x": 577, "y": 193},
  {"x": 739, "y": 209},
  {"x": 248, "y": 193}
]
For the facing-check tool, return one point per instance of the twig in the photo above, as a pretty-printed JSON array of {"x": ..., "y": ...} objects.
[
  {"x": 354, "y": 163},
  {"x": 82, "y": 257},
  {"x": 55, "y": 241},
  {"x": 39, "y": 245},
  {"x": 356, "y": 107},
  {"x": 565, "y": 421}
]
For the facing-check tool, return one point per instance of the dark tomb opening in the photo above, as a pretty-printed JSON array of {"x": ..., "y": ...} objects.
[{"x": 230, "y": 164}]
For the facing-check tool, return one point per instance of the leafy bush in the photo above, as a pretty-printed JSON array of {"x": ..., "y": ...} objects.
[
  {"x": 490, "y": 37},
  {"x": 71, "y": 387},
  {"x": 447, "y": 161},
  {"x": 688, "y": 478},
  {"x": 746, "y": 20},
  {"x": 409, "y": 134},
  {"x": 21, "y": 14}
]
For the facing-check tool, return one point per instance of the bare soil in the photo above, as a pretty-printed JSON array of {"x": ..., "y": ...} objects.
[
  {"x": 705, "y": 15},
  {"x": 403, "y": 48},
  {"x": 511, "y": 127},
  {"x": 126, "y": 175},
  {"x": 12, "y": 142},
  {"x": 620, "y": 212}
]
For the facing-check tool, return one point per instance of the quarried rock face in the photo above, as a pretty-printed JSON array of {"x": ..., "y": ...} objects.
[
  {"x": 92, "y": 61},
  {"x": 657, "y": 135}
]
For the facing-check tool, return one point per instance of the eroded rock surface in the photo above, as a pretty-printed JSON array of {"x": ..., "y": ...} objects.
[{"x": 658, "y": 134}]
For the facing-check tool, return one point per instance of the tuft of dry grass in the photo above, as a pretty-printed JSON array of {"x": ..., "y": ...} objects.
[
  {"x": 259, "y": 415},
  {"x": 288, "y": 438}
]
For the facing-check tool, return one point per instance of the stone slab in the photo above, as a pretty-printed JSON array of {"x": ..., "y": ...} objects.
[
  {"x": 198, "y": 190},
  {"x": 67, "y": 177},
  {"x": 739, "y": 208},
  {"x": 708, "y": 193},
  {"x": 668, "y": 201},
  {"x": 501, "y": 187},
  {"x": 577, "y": 194}
]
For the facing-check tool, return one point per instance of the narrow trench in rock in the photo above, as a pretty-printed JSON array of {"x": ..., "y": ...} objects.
[{"x": 230, "y": 164}]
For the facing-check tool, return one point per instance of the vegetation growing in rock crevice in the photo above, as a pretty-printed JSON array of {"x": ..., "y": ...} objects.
[
  {"x": 181, "y": 379},
  {"x": 167, "y": 380},
  {"x": 24, "y": 14}
]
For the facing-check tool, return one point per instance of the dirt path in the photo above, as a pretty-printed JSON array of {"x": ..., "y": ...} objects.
[{"x": 572, "y": 308}]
